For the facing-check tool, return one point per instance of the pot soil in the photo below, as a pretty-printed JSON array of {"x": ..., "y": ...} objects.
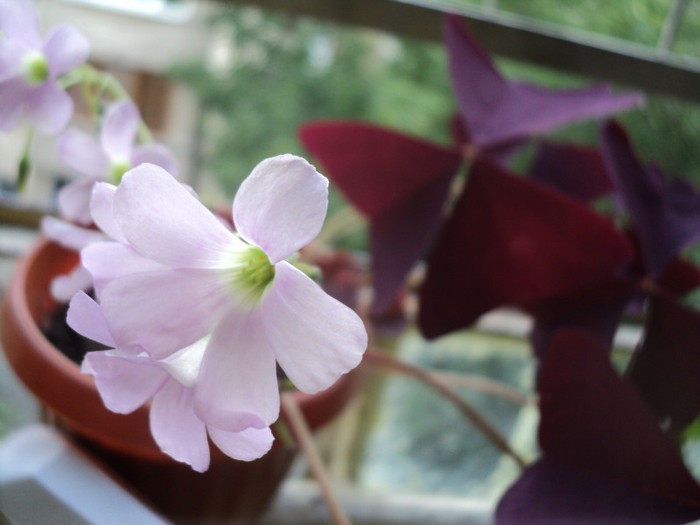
[{"x": 230, "y": 490}]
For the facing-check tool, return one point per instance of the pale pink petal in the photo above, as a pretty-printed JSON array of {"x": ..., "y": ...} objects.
[
  {"x": 86, "y": 317},
  {"x": 83, "y": 153},
  {"x": 315, "y": 338},
  {"x": 69, "y": 235},
  {"x": 63, "y": 287},
  {"x": 246, "y": 445},
  {"x": 105, "y": 261},
  {"x": 237, "y": 385},
  {"x": 74, "y": 201},
  {"x": 281, "y": 205},
  {"x": 162, "y": 220},
  {"x": 18, "y": 22},
  {"x": 10, "y": 59},
  {"x": 124, "y": 384},
  {"x": 176, "y": 429},
  {"x": 65, "y": 49},
  {"x": 155, "y": 154},
  {"x": 184, "y": 364},
  {"x": 119, "y": 127},
  {"x": 12, "y": 95},
  {"x": 49, "y": 108},
  {"x": 101, "y": 210},
  {"x": 164, "y": 311}
]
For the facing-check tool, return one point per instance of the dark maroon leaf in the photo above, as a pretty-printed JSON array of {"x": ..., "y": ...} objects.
[
  {"x": 548, "y": 494},
  {"x": 496, "y": 110},
  {"x": 576, "y": 170},
  {"x": 593, "y": 421},
  {"x": 509, "y": 241},
  {"x": 597, "y": 310},
  {"x": 680, "y": 277},
  {"x": 374, "y": 167},
  {"x": 401, "y": 235},
  {"x": 666, "y": 366},
  {"x": 666, "y": 213},
  {"x": 400, "y": 182}
]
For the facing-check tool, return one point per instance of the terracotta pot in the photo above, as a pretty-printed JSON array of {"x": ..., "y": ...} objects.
[{"x": 235, "y": 490}]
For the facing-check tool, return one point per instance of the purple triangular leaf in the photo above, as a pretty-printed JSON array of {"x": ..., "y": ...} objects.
[
  {"x": 402, "y": 235},
  {"x": 597, "y": 311},
  {"x": 511, "y": 241},
  {"x": 576, "y": 170},
  {"x": 593, "y": 421},
  {"x": 666, "y": 366},
  {"x": 376, "y": 168},
  {"x": 666, "y": 213},
  {"x": 400, "y": 182},
  {"x": 496, "y": 110},
  {"x": 548, "y": 494}
]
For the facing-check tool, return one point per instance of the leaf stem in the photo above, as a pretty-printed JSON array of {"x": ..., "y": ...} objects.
[
  {"x": 384, "y": 360},
  {"x": 294, "y": 418}
]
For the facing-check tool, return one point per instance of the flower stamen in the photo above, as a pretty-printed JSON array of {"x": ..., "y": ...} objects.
[
  {"x": 35, "y": 68},
  {"x": 251, "y": 275}
]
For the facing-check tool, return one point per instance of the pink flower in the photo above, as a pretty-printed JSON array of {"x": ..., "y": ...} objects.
[
  {"x": 125, "y": 382},
  {"x": 259, "y": 309},
  {"x": 29, "y": 67},
  {"x": 106, "y": 160}
]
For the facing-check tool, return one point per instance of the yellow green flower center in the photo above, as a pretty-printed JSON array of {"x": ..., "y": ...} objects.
[
  {"x": 251, "y": 275},
  {"x": 35, "y": 68},
  {"x": 118, "y": 169}
]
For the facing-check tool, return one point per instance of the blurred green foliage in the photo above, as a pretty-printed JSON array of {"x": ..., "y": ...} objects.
[{"x": 285, "y": 71}]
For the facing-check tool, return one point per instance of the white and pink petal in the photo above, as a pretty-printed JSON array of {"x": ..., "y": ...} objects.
[
  {"x": 64, "y": 287},
  {"x": 175, "y": 427},
  {"x": 86, "y": 317},
  {"x": 162, "y": 220},
  {"x": 49, "y": 108},
  {"x": 65, "y": 49},
  {"x": 157, "y": 154},
  {"x": 119, "y": 127},
  {"x": 315, "y": 337},
  {"x": 124, "y": 384},
  {"x": 246, "y": 445},
  {"x": 237, "y": 386},
  {"x": 81, "y": 152},
  {"x": 281, "y": 205},
  {"x": 107, "y": 261},
  {"x": 164, "y": 311},
  {"x": 74, "y": 201}
]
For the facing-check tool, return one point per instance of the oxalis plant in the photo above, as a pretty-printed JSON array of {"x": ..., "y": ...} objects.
[
  {"x": 196, "y": 315},
  {"x": 587, "y": 237}
]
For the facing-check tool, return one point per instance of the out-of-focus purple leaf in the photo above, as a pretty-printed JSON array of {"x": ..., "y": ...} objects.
[
  {"x": 666, "y": 366},
  {"x": 548, "y": 494},
  {"x": 399, "y": 182},
  {"x": 510, "y": 241},
  {"x": 666, "y": 213},
  {"x": 596, "y": 310},
  {"x": 680, "y": 277},
  {"x": 401, "y": 235},
  {"x": 576, "y": 170},
  {"x": 593, "y": 421},
  {"x": 496, "y": 110}
]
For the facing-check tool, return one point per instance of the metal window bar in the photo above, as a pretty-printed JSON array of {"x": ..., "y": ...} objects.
[{"x": 651, "y": 69}]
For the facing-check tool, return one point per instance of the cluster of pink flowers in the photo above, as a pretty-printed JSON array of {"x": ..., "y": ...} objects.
[{"x": 197, "y": 317}]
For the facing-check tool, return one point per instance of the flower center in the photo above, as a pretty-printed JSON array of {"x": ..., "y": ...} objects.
[
  {"x": 35, "y": 68},
  {"x": 118, "y": 169},
  {"x": 251, "y": 275}
]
